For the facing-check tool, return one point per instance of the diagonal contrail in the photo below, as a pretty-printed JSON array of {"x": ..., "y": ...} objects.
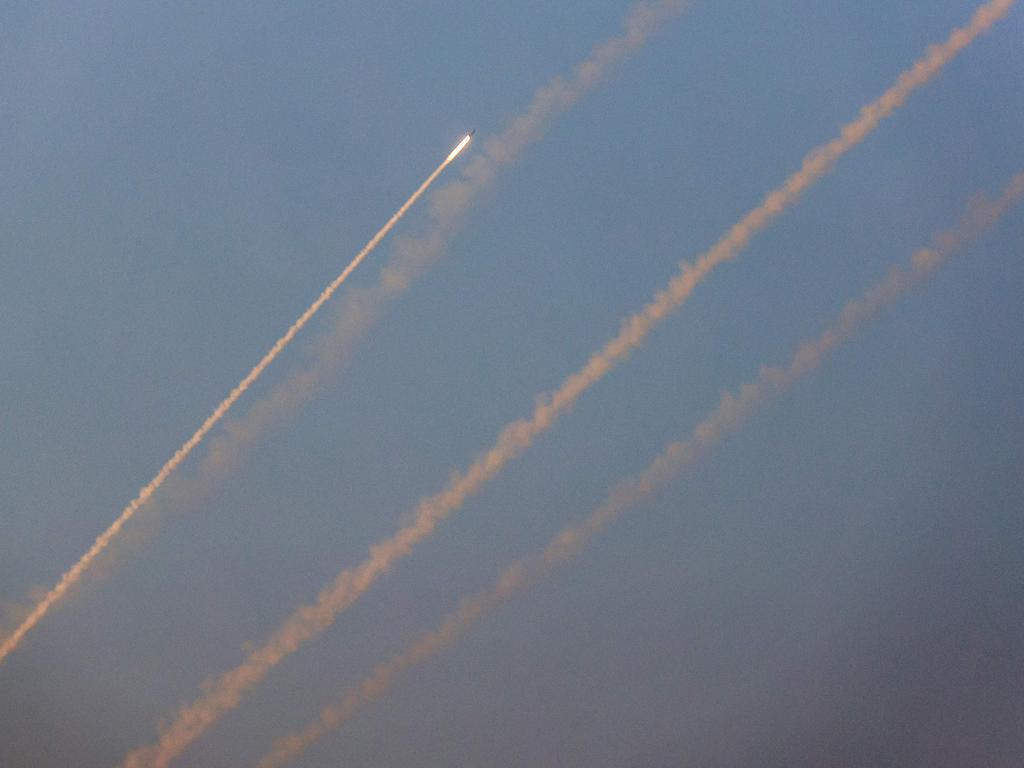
[
  {"x": 223, "y": 693},
  {"x": 72, "y": 575},
  {"x": 413, "y": 256},
  {"x": 676, "y": 457}
]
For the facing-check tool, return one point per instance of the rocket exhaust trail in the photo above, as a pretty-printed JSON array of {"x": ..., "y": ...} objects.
[
  {"x": 223, "y": 693},
  {"x": 412, "y": 256},
  {"x": 410, "y": 261},
  {"x": 728, "y": 417},
  {"x": 71, "y": 577}
]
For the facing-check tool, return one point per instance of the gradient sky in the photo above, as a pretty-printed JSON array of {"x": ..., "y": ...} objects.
[{"x": 841, "y": 583}]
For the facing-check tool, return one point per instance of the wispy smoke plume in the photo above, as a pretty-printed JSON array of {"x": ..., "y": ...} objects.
[
  {"x": 729, "y": 416},
  {"x": 223, "y": 693},
  {"x": 75, "y": 573}
]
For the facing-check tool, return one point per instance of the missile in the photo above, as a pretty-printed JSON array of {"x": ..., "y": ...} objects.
[{"x": 461, "y": 145}]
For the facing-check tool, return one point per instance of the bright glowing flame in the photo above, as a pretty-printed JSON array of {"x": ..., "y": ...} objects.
[{"x": 459, "y": 147}]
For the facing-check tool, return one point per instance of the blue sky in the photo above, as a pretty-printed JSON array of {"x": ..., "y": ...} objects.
[{"x": 839, "y": 582}]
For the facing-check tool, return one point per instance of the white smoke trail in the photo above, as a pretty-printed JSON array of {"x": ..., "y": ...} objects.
[
  {"x": 676, "y": 457},
  {"x": 223, "y": 693},
  {"x": 72, "y": 575}
]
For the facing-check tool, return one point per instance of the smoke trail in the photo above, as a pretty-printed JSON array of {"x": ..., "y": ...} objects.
[
  {"x": 413, "y": 256},
  {"x": 71, "y": 577},
  {"x": 221, "y": 694},
  {"x": 677, "y": 456}
]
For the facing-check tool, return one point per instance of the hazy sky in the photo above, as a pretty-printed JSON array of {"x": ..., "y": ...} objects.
[{"x": 841, "y": 582}]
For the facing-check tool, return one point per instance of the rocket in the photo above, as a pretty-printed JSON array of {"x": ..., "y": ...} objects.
[{"x": 461, "y": 145}]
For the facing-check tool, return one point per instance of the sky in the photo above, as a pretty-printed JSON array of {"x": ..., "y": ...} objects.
[{"x": 837, "y": 583}]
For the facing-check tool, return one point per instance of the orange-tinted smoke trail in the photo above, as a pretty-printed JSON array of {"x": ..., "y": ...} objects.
[
  {"x": 413, "y": 256},
  {"x": 223, "y": 693},
  {"x": 72, "y": 575},
  {"x": 676, "y": 457}
]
